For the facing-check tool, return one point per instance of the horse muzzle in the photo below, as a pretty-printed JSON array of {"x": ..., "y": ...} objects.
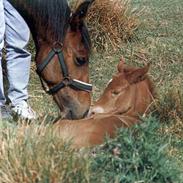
[{"x": 73, "y": 114}]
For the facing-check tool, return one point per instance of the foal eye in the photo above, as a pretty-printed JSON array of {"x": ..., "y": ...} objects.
[
  {"x": 80, "y": 61},
  {"x": 116, "y": 92}
]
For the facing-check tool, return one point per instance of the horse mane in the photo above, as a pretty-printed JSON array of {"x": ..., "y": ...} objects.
[{"x": 52, "y": 15}]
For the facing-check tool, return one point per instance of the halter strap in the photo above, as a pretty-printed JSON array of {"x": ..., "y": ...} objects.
[{"x": 67, "y": 81}]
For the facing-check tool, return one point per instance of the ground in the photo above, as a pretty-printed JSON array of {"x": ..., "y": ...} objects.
[{"x": 158, "y": 41}]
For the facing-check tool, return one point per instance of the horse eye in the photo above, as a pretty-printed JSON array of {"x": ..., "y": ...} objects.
[{"x": 80, "y": 61}]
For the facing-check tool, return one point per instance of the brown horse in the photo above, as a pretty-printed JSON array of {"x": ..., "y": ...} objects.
[
  {"x": 62, "y": 51},
  {"x": 128, "y": 95}
]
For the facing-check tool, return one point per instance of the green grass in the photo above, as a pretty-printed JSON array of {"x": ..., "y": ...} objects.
[
  {"x": 138, "y": 154},
  {"x": 158, "y": 40}
]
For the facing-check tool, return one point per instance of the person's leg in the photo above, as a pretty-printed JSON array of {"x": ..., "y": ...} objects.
[
  {"x": 18, "y": 60},
  {"x": 4, "y": 110},
  {"x": 2, "y": 32}
]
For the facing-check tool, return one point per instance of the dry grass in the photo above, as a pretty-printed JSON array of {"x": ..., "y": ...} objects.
[
  {"x": 170, "y": 109},
  {"x": 33, "y": 154},
  {"x": 111, "y": 22},
  {"x": 173, "y": 99}
]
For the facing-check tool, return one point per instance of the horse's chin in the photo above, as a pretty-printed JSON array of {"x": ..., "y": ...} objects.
[
  {"x": 68, "y": 114},
  {"x": 70, "y": 107}
]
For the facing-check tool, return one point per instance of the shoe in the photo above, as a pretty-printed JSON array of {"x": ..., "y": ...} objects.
[
  {"x": 5, "y": 113},
  {"x": 24, "y": 111}
]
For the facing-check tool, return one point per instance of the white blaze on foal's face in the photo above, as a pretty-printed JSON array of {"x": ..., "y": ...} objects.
[{"x": 95, "y": 109}]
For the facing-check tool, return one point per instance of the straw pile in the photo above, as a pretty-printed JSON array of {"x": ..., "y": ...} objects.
[{"x": 111, "y": 22}]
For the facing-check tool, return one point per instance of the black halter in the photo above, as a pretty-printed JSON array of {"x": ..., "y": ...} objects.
[{"x": 67, "y": 81}]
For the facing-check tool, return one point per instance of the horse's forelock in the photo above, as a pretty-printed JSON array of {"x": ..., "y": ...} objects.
[{"x": 54, "y": 15}]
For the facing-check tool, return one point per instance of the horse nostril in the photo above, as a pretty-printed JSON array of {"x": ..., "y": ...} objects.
[{"x": 86, "y": 113}]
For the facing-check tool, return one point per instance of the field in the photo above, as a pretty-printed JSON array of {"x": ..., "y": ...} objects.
[{"x": 155, "y": 155}]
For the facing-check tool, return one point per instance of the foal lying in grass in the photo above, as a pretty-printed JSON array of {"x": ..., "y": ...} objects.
[{"x": 128, "y": 95}]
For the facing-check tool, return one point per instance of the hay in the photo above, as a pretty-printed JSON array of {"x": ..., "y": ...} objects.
[{"x": 111, "y": 22}]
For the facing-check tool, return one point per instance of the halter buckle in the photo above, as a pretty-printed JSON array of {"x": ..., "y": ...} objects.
[
  {"x": 57, "y": 47},
  {"x": 67, "y": 81}
]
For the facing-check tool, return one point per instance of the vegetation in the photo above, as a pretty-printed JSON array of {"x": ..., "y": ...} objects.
[
  {"x": 147, "y": 153},
  {"x": 136, "y": 155},
  {"x": 111, "y": 23},
  {"x": 33, "y": 154}
]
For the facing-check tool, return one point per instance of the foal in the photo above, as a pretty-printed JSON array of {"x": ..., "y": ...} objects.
[{"x": 127, "y": 96}]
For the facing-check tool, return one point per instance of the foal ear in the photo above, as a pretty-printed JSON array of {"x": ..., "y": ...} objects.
[
  {"x": 121, "y": 65},
  {"x": 137, "y": 75},
  {"x": 80, "y": 13}
]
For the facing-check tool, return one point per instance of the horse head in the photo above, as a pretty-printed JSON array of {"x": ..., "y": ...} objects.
[
  {"x": 130, "y": 90},
  {"x": 62, "y": 51}
]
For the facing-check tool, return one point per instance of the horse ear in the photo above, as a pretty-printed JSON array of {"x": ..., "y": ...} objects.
[
  {"x": 121, "y": 65},
  {"x": 137, "y": 75},
  {"x": 78, "y": 16}
]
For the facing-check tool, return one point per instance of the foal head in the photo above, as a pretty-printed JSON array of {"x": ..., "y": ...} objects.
[
  {"x": 129, "y": 90},
  {"x": 62, "y": 51}
]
